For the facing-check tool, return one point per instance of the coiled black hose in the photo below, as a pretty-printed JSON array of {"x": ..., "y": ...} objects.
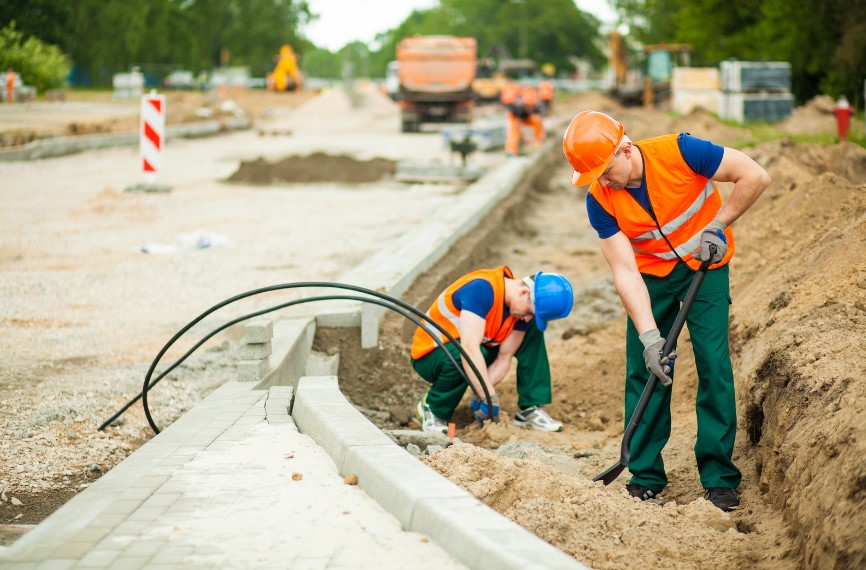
[{"x": 387, "y": 301}]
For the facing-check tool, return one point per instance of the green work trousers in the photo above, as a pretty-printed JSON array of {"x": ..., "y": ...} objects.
[
  {"x": 715, "y": 404},
  {"x": 448, "y": 386}
]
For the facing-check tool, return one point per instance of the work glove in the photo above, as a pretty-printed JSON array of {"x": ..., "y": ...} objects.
[
  {"x": 482, "y": 412},
  {"x": 657, "y": 363},
  {"x": 713, "y": 234}
]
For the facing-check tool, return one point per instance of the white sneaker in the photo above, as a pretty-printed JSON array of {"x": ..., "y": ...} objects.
[
  {"x": 537, "y": 418},
  {"x": 429, "y": 422}
]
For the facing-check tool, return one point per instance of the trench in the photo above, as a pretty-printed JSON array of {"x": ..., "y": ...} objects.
[{"x": 541, "y": 480}]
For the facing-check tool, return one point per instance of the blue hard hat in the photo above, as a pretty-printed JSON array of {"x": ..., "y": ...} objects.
[{"x": 552, "y": 298}]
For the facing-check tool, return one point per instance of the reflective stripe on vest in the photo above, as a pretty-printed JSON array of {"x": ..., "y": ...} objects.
[
  {"x": 443, "y": 312},
  {"x": 684, "y": 203}
]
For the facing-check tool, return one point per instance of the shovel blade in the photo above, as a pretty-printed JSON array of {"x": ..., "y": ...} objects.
[{"x": 611, "y": 474}]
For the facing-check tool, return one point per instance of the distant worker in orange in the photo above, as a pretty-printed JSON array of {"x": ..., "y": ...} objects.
[
  {"x": 522, "y": 106},
  {"x": 545, "y": 94},
  {"x": 10, "y": 85}
]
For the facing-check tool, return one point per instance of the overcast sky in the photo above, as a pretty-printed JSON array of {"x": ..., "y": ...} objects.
[{"x": 344, "y": 21}]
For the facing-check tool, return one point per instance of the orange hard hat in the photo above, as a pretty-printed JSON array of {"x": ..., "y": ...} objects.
[{"x": 589, "y": 144}]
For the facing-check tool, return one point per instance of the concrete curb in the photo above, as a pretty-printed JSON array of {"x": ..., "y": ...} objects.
[
  {"x": 60, "y": 146},
  {"x": 419, "y": 497}
]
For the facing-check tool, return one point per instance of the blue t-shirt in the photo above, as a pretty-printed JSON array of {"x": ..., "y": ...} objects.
[
  {"x": 702, "y": 156},
  {"x": 476, "y": 297}
]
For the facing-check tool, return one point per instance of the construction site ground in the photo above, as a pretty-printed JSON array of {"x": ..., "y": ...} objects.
[{"x": 85, "y": 310}]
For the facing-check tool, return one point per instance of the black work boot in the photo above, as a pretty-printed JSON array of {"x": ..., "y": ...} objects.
[
  {"x": 725, "y": 499},
  {"x": 639, "y": 491}
]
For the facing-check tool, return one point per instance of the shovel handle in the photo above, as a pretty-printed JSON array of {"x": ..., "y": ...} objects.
[{"x": 625, "y": 451}]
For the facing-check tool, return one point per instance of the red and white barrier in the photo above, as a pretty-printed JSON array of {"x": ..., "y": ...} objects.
[{"x": 152, "y": 134}]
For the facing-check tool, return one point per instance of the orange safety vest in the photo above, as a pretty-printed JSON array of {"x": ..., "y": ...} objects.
[
  {"x": 509, "y": 93},
  {"x": 683, "y": 202},
  {"x": 443, "y": 312},
  {"x": 545, "y": 90},
  {"x": 529, "y": 96}
]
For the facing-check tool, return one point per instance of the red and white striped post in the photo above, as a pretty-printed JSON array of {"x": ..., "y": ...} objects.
[{"x": 152, "y": 134}]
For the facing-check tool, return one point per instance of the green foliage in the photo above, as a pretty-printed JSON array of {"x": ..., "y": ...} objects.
[
  {"x": 103, "y": 37},
  {"x": 44, "y": 19},
  {"x": 41, "y": 65},
  {"x": 824, "y": 40},
  {"x": 547, "y": 31},
  {"x": 320, "y": 62}
]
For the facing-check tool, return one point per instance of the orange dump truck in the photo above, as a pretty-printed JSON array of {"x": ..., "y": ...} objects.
[{"x": 436, "y": 74}]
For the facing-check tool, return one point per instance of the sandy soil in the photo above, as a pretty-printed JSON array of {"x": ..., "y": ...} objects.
[
  {"x": 798, "y": 287},
  {"x": 799, "y": 290}
]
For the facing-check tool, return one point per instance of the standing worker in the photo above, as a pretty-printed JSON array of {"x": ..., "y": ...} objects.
[
  {"x": 10, "y": 85},
  {"x": 521, "y": 104},
  {"x": 545, "y": 95},
  {"x": 657, "y": 211},
  {"x": 491, "y": 313}
]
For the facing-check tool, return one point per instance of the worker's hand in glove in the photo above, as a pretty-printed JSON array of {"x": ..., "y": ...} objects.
[
  {"x": 656, "y": 362},
  {"x": 713, "y": 234},
  {"x": 482, "y": 412}
]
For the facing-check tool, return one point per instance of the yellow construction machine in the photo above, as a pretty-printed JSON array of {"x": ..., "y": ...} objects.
[{"x": 286, "y": 76}]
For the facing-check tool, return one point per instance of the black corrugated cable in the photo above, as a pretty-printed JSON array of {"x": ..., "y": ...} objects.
[{"x": 148, "y": 383}]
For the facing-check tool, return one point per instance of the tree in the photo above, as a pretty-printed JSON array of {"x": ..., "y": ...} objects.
[
  {"x": 43, "y": 19},
  {"x": 824, "y": 40},
  {"x": 320, "y": 62},
  {"x": 546, "y": 30},
  {"x": 41, "y": 65}
]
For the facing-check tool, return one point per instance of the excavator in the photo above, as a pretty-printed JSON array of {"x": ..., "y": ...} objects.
[
  {"x": 286, "y": 76},
  {"x": 648, "y": 83},
  {"x": 659, "y": 63}
]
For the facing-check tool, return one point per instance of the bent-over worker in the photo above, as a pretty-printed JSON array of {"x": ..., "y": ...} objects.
[
  {"x": 657, "y": 211},
  {"x": 491, "y": 314}
]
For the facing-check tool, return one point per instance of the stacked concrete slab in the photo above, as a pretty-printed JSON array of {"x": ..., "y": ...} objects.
[
  {"x": 693, "y": 87},
  {"x": 256, "y": 350},
  {"x": 756, "y": 91}
]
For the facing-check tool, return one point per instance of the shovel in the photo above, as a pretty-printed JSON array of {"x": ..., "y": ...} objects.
[{"x": 613, "y": 472}]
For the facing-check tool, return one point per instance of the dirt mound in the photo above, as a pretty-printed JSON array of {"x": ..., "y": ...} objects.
[
  {"x": 799, "y": 318},
  {"x": 794, "y": 165},
  {"x": 701, "y": 123},
  {"x": 317, "y": 167},
  {"x": 600, "y": 526},
  {"x": 815, "y": 117}
]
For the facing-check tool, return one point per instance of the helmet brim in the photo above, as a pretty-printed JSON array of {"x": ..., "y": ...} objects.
[
  {"x": 584, "y": 178},
  {"x": 540, "y": 323}
]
